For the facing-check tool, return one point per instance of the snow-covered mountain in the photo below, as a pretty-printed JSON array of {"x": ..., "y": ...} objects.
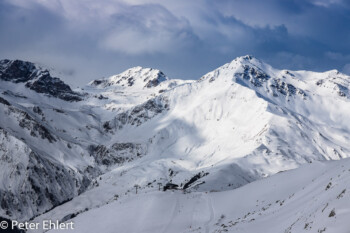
[{"x": 65, "y": 152}]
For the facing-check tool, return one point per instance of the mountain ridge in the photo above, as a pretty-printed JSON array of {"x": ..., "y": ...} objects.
[
  {"x": 239, "y": 123},
  {"x": 36, "y": 79}
]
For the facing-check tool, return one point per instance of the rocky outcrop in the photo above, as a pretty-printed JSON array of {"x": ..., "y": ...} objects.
[
  {"x": 16, "y": 71},
  {"x": 137, "y": 76},
  {"x": 36, "y": 79},
  {"x": 254, "y": 75},
  {"x": 118, "y": 153},
  {"x": 34, "y": 183},
  {"x": 139, "y": 114}
]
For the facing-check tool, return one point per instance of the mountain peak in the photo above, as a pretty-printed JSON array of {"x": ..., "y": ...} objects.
[
  {"x": 247, "y": 57},
  {"x": 36, "y": 79},
  {"x": 134, "y": 77},
  {"x": 16, "y": 70},
  {"x": 249, "y": 60},
  {"x": 244, "y": 64}
]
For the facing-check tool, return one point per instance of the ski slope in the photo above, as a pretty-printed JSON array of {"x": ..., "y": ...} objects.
[{"x": 299, "y": 200}]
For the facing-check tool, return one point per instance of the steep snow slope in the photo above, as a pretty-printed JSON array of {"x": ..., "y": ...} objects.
[
  {"x": 32, "y": 183},
  {"x": 62, "y": 139},
  {"x": 41, "y": 164},
  {"x": 313, "y": 198},
  {"x": 235, "y": 125},
  {"x": 244, "y": 119}
]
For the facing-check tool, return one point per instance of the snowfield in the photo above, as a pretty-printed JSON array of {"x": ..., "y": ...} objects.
[
  {"x": 300, "y": 200},
  {"x": 249, "y": 147}
]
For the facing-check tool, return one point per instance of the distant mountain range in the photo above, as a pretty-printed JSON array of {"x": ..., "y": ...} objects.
[{"x": 65, "y": 152}]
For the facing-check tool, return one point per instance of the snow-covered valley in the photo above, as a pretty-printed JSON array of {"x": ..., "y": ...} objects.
[{"x": 226, "y": 140}]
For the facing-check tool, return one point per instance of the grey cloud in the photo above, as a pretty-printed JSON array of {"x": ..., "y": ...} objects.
[
  {"x": 147, "y": 28},
  {"x": 183, "y": 38}
]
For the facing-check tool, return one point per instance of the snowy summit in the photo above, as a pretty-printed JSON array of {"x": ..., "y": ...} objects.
[{"x": 245, "y": 147}]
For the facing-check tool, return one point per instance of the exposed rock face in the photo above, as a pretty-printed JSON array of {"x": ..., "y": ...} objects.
[
  {"x": 139, "y": 114},
  {"x": 33, "y": 183},
  {"x": 153, "y": 82},
  {"x": 53, "y": 86},
  {"x": 146, "y": 111},
  {"x": 28, "y": 123},
  {"x": 254, "y": 75},
  {"x": 285, "y": 89},
  {"x": 258, "y": 78},
  {"x": 16, "y": 71},
  {"x": 4, "y": 101},
  {"x": 137, "y": 76},
  {"x": 339, "y": 85},
  {"x": 36, "y": 79},
  {"x": 36, "y": 129},
  {"x": 118, "y": 153}
]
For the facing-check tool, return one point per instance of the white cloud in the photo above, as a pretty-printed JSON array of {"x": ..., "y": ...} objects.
[{"x": 326, "y": 3}]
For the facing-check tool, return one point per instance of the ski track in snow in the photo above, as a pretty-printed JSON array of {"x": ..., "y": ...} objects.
[
  {"x": 175, "y": 213},
  {"x": 212, "y": 214}
]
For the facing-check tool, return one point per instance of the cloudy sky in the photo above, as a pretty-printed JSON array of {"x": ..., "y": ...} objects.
[{"x": 89, "y": 39}]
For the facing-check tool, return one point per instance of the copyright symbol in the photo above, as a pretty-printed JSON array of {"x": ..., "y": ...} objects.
[{"x": 4, "y": 225}]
